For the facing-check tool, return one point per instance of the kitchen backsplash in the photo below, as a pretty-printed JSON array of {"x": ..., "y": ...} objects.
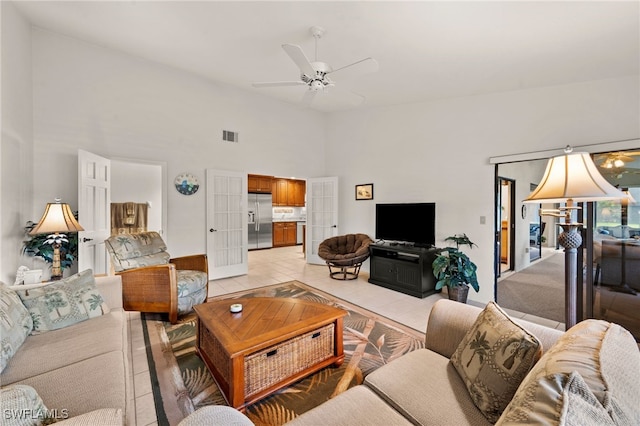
[{"x": 289, "y": 213}]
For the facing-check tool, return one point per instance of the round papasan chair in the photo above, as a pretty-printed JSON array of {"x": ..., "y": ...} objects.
[{"x": 344, "y": 255}]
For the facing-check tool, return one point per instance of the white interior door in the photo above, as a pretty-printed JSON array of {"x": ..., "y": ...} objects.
[
  {"x": 322, "y": 214},
  {"x": 227, "y": 232},
  {"x": 94, "y": 211}
]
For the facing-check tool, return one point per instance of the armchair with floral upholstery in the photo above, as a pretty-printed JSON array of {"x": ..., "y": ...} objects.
[{"x": 154, "y": 282}]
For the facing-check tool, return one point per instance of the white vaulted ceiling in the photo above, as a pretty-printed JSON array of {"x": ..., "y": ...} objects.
[{"x": 425, "y": 50}]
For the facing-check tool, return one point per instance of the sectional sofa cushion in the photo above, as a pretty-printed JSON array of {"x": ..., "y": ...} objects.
[
  {"x": 22, "y": 406},
  {"x": 419, "y": 384},
  {"x": 357, "y": 406},
  {"x": 15, "y": 324},
  {"x": 59, "y": 304},
  {"x": 594, "y": 349},
  {"x": 45, "y": 352},
  {"x": 91, "y": 384},
  {"x": 493, "y": 358},
  {"x": 100, "y": 417}
]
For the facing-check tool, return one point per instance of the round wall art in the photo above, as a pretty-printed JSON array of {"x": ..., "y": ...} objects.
[{"x": 186, "y": 183}]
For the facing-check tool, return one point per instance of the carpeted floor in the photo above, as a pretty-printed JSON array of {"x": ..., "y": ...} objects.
[
  {"x": 537, "y": 290},
  {"x": 181, "y": 382}
]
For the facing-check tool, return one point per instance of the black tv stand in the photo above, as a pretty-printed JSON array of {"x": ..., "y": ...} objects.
[{"x": 404, "y": 268}]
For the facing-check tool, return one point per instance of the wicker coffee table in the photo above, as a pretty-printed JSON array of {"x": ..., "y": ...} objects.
[{"x": 272, "y": 343}]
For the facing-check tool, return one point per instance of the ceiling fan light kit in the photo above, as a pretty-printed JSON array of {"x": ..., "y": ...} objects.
[{"x": 315, "y": 75}]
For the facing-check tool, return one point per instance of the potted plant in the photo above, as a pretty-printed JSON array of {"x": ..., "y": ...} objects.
[
  {"x": 41, "y": 245},
  {"x": 453, "y": 269}
]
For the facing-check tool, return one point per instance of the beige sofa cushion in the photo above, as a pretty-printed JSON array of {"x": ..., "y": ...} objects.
[
  {"x": 101, "y": 417},
  {"x": 426, "y": 389},
  {"x": 48, "y": 351},
  {"x": 95, "y": 383},
  {"x": 357, "y": 406},
  {"x": 604, "y": 354},
  {"x": 493, "y": 358}
]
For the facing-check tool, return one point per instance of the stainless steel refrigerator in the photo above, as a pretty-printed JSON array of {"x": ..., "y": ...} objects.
[{"x": 260, "y": 221}]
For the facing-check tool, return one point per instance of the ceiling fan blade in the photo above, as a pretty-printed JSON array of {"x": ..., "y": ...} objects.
[
  {"x": 309, "y": 96},
  {"x": 625, "y": 158},
  {"x": 278, "y": 83},
  {"x": 297, "y": 55},
  {"x": 364, "y": 66}
]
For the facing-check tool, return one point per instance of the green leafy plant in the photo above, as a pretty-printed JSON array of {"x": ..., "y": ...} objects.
[
  {"x": 452, "y": 267},
  {"x": 41, "y": 245}
]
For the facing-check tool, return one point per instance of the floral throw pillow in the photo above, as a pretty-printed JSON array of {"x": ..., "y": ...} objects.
[
  {"x": 15, "y": 324},
  {"x": 493, "y": 358},
  {"x": 59, "y": 304}
]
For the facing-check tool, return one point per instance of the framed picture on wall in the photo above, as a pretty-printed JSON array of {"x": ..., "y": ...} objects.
[{"x": 364, "y": 191}]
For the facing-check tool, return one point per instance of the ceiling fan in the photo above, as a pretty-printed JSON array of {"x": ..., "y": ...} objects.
[
  {"x": 315, "y": 75},
  {"x": 615, "y": 160}
]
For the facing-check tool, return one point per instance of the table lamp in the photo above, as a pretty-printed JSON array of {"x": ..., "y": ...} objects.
[
  {"x": 570, "y": 178},
  {"x": 56, "y": 220}
]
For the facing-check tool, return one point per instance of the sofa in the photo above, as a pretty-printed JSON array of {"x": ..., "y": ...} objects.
[
  {"x": 588, "y": 375},
  {"x": 77, "y": 371},
  {"x": 620, "y": 257}
]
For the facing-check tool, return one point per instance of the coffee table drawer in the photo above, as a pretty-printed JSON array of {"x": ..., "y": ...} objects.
[{"x": 276, "y": 363}]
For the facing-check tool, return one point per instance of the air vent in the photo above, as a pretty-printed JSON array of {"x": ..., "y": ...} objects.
[{"x": 229, "y": 136}]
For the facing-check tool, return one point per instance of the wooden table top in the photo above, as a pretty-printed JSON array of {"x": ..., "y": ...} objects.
[{"x": 264, "y": 321}]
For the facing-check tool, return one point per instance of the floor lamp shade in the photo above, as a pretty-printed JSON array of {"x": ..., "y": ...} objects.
[
  {"x": 570, "y": 178},
  {"x": 573, "y": 176},
  {"x": 56, "y": 220}
]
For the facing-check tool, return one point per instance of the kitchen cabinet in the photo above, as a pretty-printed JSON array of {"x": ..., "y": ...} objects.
[
  {"x": 288, "y": 192},
  {"x": 260, "y": 184},
  {"x": 300, "y": 189},
  {"x": 281, "y": 194},
  {"x": 284, "y": 234}
]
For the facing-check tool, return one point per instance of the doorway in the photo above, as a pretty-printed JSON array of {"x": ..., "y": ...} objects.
[
  {"x": 536, "y": 228},
  {"x": 141, "y": 182},
  {"x": 505, "y": 226}
]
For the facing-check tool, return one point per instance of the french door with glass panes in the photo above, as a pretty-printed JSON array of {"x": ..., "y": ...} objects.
[{"x": 227, "y": 235}]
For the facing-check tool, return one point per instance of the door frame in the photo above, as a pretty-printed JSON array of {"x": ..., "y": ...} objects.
[
  {"x": 499, "y": 181},
  {"x": 164, "y": 191}
]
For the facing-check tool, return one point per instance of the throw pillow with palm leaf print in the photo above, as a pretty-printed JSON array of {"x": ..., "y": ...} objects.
[
  {"x": 59, "y": 304},
  {"x": 493, "y": 358}
]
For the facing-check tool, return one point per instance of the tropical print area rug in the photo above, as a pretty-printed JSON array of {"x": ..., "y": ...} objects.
[{"x": 182, "y": 383}]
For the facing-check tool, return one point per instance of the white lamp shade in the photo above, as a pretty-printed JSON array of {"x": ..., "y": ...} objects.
[
  {"x": 57, "y": 217},
  {"x": 573, "y": 176}
]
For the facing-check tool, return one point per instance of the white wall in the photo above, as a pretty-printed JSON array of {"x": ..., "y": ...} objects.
[
  {"x": 16, "y": 174},
  {"x": 120, "y": 106},
  {"x": 438, "y": 151}
]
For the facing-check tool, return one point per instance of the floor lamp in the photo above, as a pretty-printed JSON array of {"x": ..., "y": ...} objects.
[
  {"x": 57, "y": 218},
  {"x": 571, "y": 178}
]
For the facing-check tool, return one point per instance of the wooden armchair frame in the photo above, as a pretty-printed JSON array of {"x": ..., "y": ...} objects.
[{"x": 155, "y": 288}]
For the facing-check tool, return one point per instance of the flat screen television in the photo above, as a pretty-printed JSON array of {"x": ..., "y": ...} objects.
[{"x": 413, "y": 223}]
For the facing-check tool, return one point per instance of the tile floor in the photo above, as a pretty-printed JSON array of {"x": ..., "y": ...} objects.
[{"x": 278, "y": 265}]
